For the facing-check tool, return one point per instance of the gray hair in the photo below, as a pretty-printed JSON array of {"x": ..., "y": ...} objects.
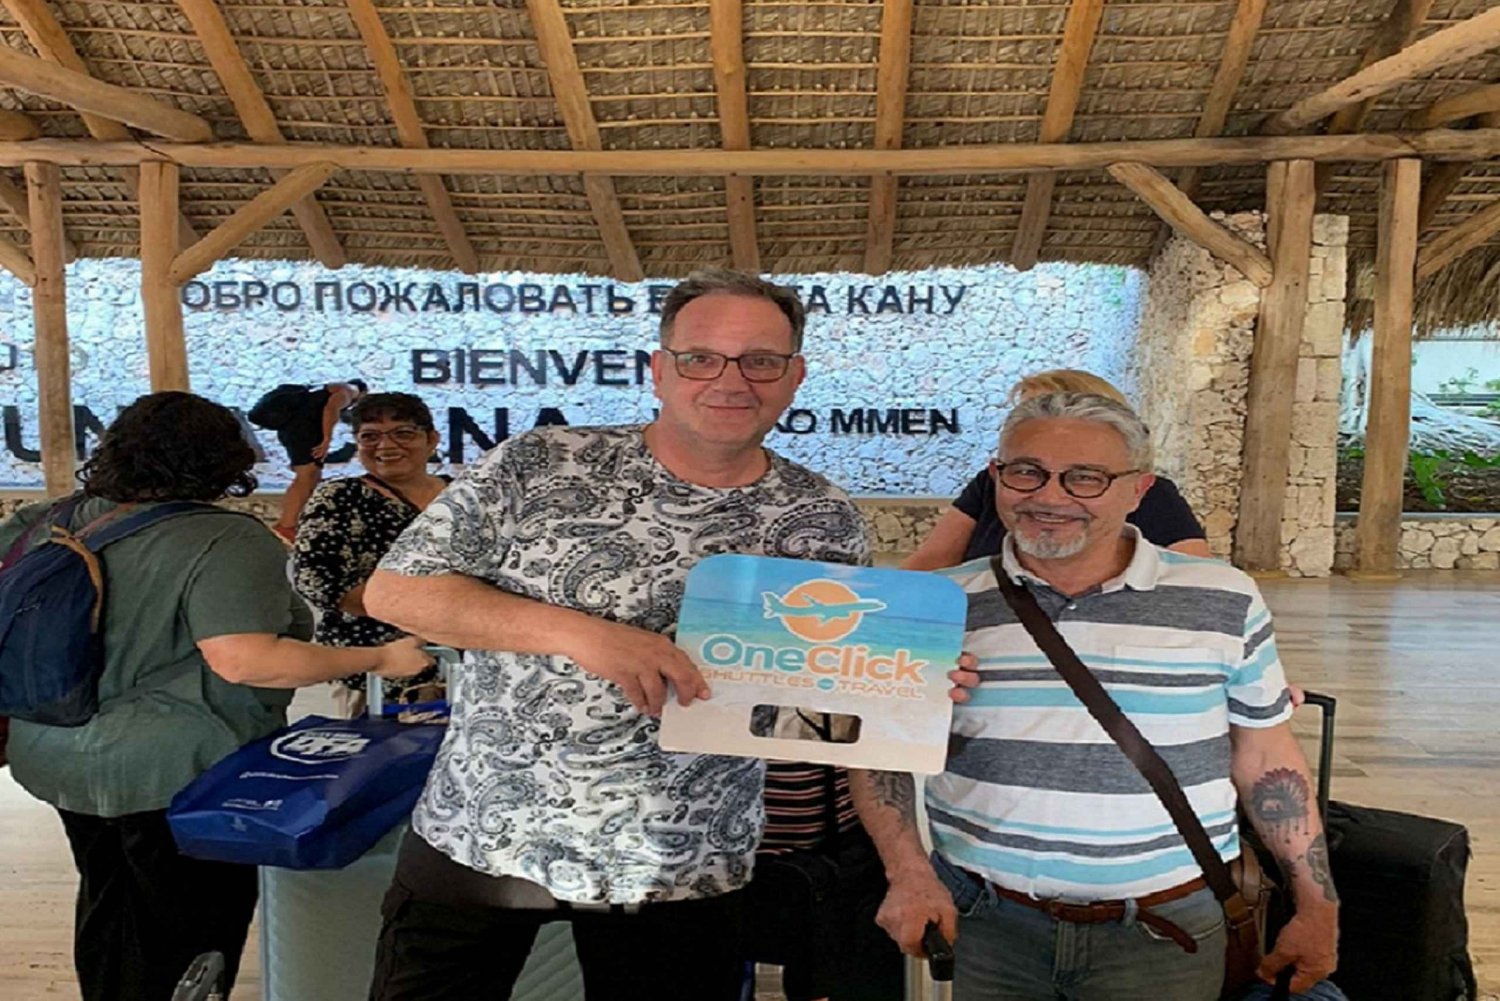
[
  {"x": 1086, "y": 407},
  {"x": 723, "y": 281}
]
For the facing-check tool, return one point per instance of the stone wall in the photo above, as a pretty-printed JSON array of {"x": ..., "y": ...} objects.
[
  {"x": 1190, "y": 377},
  {"x": 1434, "y": 541}
]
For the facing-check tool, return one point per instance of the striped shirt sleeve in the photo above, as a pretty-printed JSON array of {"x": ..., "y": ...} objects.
[{"x": 1258, "y": 695}]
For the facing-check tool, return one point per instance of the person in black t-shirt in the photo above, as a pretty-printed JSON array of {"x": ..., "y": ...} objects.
[
  {"x": 303, "y": 418},
  {"x": 972, "y": 528}
]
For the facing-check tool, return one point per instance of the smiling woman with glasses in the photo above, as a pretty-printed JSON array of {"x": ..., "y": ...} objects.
[{"x": 350, "y": 523}]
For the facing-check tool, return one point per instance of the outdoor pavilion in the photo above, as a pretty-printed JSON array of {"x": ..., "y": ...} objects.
[{"x": 648, "y": 138}]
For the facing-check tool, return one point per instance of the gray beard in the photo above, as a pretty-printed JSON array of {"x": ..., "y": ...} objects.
[{"x": 1048, "y": 548}]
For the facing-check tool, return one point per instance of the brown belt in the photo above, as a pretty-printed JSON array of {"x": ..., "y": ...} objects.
[{"x": 1103, "y": 911}]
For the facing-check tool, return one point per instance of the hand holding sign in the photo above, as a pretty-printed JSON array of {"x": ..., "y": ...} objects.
[{"x": 871, "y": 643}]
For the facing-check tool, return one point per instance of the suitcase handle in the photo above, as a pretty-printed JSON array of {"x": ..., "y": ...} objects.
[{"x": 1328, "y": 706}]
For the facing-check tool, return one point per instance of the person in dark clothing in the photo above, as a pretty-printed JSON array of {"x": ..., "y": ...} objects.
[
  {"x": 971, "y": 529},
  {"x": 303, "y": 418}
]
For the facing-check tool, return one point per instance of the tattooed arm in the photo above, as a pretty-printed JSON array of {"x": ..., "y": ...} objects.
[
  {"x": 1278, "y": 796},
  {"x": 887, "y": 805}
]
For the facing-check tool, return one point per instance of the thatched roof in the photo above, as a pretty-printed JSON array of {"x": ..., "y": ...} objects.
[{"x": 980, "y": 73}]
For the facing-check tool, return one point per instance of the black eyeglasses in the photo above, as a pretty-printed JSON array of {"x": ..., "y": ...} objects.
[
  {"x": 756, "y": 366},
  {"x": 408, "y": 435},
  {"x": 1082, "y": 482}
]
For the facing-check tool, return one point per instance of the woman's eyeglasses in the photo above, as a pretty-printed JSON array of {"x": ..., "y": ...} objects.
[{"x": 408, "y": 435}]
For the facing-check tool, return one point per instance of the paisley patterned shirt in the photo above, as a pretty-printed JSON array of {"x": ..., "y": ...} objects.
[{"x": 547, "y": 772}]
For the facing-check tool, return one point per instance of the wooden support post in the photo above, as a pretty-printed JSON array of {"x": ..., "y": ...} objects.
[
  {"x": 166, "y": 345},
  {"x": 1273, "y": 367},
  {"x": 1377, "y": 535},
  {"x": 49, "y": 307}
]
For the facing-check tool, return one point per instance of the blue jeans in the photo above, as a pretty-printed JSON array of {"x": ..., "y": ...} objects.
[
  {"x": 1323, "y": 990},
  {"x": 1008, "y": 952}
]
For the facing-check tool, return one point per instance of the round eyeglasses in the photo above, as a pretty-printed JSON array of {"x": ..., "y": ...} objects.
[
  {"x": 755, "y": 366},
  {"x": 1082, "y": 482}
]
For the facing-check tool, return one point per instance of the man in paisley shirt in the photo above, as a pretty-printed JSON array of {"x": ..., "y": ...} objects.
[{"x": 558, "y": 564}]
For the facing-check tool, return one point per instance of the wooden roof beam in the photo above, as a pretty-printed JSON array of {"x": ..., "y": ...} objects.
[
  {"x": 1079, "y": 30},
  {"x": 51, "y": 42},
  {"x": 1396, "y": 32},
  {"x": 410, "y": 131},
  {"x": 1178, "y": 211},
  {"x": 84, "y": 93},
  {"x": 1479, "y": 101},
  {"x": 18, "y": 203},
  {"x": 556, "y": 47},
  {"x": 17, "y": 126},
  {"x": 891, "y": 80},
  {"x": 17, "y": 262},
  {"x": 726, "y": 38},
  {"x": 1451, "y": 244},
  {"x": 1451, "y": 45},
  {"x": 1238, "y": 44},
  {"x": 255, "y": 114},
  {"x": 999, "y": 158},
  {"x": 1442, "y": 178},
  {"x": 291, "y": 189}
]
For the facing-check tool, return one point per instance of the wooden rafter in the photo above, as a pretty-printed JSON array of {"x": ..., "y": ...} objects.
[
  {"x": 1442, "y": 178},
  {"x": 84, "y": 93},
  {"x": 409, "y": 128},
  {"x": 18, "y": 204},
  {"x": 1079, "y": 30},
  {"x": 1396, "y": 32},
  {"x": 17, "y": 261},
  {"x": 1238, "y": 44},
  {"x": 556, "y": 47},
  {"x": 726, "y": 38},
  {"x": 294, "y": 187},
  {"x": 1178, "y": 211},
  {"x": 16, "y": 126},
  {"x": 891, "y": 80},
  {"x": 1479, "y": 101},
  {"x": 255, "y": 114},
  {"x": 1453, "y": 44},
  {"x": 1451, "y": 244},
  {"x": 1000, "y": 158},
  {"x": 51, "y": 42}
]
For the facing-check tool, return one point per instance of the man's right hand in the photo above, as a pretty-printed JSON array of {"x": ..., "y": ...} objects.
[
  {"x": 914, "y": 899},
  {"x": 640, "y": 662}
]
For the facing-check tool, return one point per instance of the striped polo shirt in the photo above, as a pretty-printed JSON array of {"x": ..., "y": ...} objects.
[{"x": 1036, "y": 797}]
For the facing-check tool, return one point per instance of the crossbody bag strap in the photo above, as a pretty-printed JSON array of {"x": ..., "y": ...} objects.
[
  {"x": 824, "y": 731},
  {"x": 1122, "y": 731},
  {"x": 393, "y": 491}
]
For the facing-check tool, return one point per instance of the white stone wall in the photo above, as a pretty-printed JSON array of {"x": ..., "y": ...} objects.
[
  {"x": 1434, "y": 541},
  {"x": 1190, "y": 375}
]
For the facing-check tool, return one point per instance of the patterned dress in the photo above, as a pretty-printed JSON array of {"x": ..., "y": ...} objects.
[
  {"x": 548, "y": 772},
  {"x": 344, "y": 530}
]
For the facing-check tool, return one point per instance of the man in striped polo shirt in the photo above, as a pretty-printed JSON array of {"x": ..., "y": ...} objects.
[{"x": 1038, "y": 807}]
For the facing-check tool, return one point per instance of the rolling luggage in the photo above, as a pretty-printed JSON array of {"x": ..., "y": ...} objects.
[{"x": 1402, "y": 930}]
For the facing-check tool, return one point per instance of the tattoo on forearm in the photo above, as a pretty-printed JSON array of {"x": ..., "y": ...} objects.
[
  {"x": 1317, "y": 866},
  {"x": 1279, "y": 802},
  {"x": 897, "y": 791}
]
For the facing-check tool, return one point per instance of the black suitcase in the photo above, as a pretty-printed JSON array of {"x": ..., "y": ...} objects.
[{"x": 1402, "y": 930}]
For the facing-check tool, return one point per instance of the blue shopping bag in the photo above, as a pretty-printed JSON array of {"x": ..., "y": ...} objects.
[{"x": 316, "y": 795}]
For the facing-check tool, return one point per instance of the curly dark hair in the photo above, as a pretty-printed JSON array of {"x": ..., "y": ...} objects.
[
  {"x": 389, "y": 407},
  {"x": 171, "y": 446}
]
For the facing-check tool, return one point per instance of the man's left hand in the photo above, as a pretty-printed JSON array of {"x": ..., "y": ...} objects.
[
  {"x": 1310, "y": 943},
  {"x": 320, "y": 451}
]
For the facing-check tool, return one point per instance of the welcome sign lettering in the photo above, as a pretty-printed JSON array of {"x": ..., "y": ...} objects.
[{"x": 782, "y": 640}]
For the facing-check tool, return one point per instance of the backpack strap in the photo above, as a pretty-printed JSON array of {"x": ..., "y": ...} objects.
[
  {"x": 60, "y": 514},
  {"x": 129, "y": 525}
]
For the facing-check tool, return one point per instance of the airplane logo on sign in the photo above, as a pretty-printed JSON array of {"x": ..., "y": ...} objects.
[{"x": 819, "y": 611}]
